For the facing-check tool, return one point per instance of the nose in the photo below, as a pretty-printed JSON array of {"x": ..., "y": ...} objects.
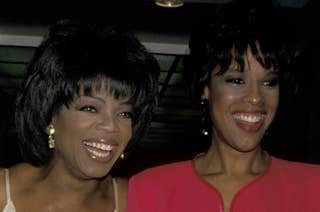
[
  {"x": 254, "y": 95},
  {"x": 107, "y": 122}
]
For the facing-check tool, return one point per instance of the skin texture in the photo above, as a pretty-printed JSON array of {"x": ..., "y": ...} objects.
[
  {"x": 81, "y": 175},
  {"x": 97, "y": 119},
  {"x": 242, "y": 106}
]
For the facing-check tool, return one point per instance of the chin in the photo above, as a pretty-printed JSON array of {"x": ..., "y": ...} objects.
[
  {"x": 90, "y": 170},
  {"x": 248, "y": 147},
  {"x": 97, "y": 173}
]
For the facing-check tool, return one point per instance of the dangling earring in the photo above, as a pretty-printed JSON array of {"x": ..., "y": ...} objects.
[
  {"x": 122, "y": 156},
  {"x": 205, "y": 116},
  {"x": 50, "y": 131}
]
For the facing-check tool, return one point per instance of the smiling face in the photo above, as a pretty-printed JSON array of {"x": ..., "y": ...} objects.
[
  {"x": 242, "y": 104},
  {"x": 91, "y": 134}
]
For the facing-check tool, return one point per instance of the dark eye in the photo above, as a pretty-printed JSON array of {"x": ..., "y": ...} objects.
[
  {"x": 238, "y": 81},
  {"x": 126, "y": 115},
  {"x": 271, "y": 83},
  {"x": 88, "y": 108}
]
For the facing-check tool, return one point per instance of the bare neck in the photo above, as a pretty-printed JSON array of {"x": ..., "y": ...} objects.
[
  {"x": 223, "y": 159},
  {"x": 44, "y": 189},
  {"x": 56, "y": 181}
]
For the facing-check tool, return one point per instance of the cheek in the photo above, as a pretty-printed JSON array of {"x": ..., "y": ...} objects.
[
  {"x": 126, "y": 131},
  {"x": 64, "y": 132},
  {"x": 223, "y": 96},
  {"x": 272, "y": 100},
  {"x": 221, "y": 99},
  {"x": 69, "y": 126}
]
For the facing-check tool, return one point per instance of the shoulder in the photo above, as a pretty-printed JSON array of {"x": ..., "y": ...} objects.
[
  {"x": 164, "y": 173},
  {"x": 2, "y": 188},
  {"x": 302, "y": 172},
  {"x": 297, "y": 183},
  {"x": 20, "y": 177},
  {"x": 152, "y": 188},
  {"x": 294, "y": 166},
  {"x": 13, "y": 173},
  {"x": 122, "y": 183}
]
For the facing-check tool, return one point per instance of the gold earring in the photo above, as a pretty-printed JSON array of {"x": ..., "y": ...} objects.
[
  {"x": 50, "y": 131},
  {"x": 122, "y": 156}
]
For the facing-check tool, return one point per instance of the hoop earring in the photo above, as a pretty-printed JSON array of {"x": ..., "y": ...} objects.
[
  {"x": 50, "y": 131},
  {"x": 205, "y": 118}
]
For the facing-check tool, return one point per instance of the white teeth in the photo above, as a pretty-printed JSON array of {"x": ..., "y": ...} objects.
[
  {"x": 98, "y": 154},
  {"x": 248, "y": 118},
  {"x": 101, "y": 146}
]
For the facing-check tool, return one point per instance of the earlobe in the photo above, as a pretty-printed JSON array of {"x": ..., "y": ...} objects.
[
  {"x": 53, "y": 120},
  {"x": 205, "y": 93}
]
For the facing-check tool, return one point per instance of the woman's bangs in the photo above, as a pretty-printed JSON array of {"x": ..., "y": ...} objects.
[{"x": 117, "y": 88}]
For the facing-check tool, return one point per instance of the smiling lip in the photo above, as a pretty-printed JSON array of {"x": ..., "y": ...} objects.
[
  {"x": 99, "y": 149},
  {"x": 250, "y": 122}
]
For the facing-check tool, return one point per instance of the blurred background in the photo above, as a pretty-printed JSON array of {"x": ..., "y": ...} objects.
[{"x": 175, "y": 132}]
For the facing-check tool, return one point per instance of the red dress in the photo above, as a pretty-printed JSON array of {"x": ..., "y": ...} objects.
[{"x": 285, "y": 186}]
